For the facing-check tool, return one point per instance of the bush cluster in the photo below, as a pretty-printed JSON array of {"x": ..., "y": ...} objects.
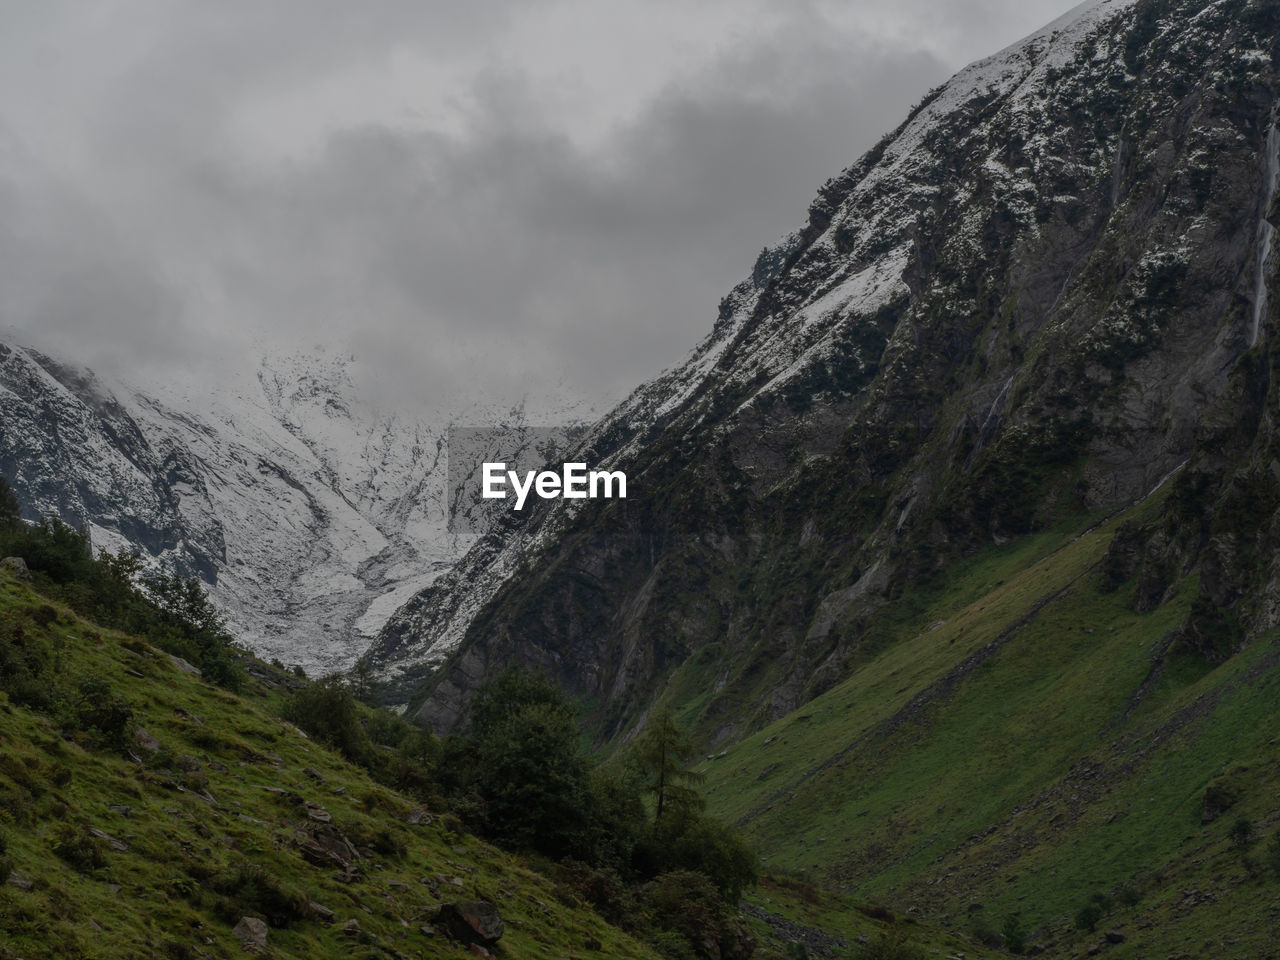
[
  {"x": 246, "y": 888},
  {"x": 619, "y": 837},
  {"x": 630, "y": 837},
  {"x": 394, "y": 751},
  {"x": 115, "y": 590}
]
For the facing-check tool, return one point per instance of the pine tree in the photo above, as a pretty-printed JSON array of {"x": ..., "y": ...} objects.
[
  {"x": 10, "y": 511},
  {"x": 663, "y": 752}
]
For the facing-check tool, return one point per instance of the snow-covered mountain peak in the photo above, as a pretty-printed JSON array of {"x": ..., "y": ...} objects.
[{"x": 312, "y": 510}]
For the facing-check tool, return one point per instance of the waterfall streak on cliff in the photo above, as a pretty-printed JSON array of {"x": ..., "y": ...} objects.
[{"x": 1266, "y": 233}]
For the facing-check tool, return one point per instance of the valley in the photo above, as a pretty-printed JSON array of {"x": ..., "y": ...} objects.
[{"x": 938, "y": 589}]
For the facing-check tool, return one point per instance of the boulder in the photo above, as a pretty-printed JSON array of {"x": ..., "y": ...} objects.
[
  {"x": 184, "y": 666},
  {"x": 18, "y": 881},
  {"x": 468, "y": 922},
  {"x": 329, "y": 849},
  {"x": 17, "y": 567},
  {"x": 318, "y": 813},
  {"x": 252, "y": 934},
  {"x": 320, "y": 912},
  {"x": 145, "y": 740}
]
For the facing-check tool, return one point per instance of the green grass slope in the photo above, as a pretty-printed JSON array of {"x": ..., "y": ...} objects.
[
  {"x": 1021, "y": 744},
  {"x": 157, "y": 847}
]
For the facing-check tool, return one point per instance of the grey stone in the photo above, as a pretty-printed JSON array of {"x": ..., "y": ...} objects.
[
  {"x": 252, "y": 934},
  {"x": 321, "y": 912},
  {"x": 17, "y": 567},
  {"x": 475, "y": 922},
  {"x": 184, "y": 666}
]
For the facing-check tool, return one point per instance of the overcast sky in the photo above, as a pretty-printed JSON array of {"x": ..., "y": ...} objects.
[{"x": 483, "y": 195}]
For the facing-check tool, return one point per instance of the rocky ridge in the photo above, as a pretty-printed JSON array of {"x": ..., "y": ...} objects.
[{"x": 1034, "y": 299}]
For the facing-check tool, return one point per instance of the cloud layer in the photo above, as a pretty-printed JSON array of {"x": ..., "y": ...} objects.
[{"x": 477, "y": 197}]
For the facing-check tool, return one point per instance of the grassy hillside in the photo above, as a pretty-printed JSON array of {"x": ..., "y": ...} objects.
[
  {"x": 145, "y": 811},
  {"x": 1021, "y": 744},
  {"x": 157, "y": 847}
]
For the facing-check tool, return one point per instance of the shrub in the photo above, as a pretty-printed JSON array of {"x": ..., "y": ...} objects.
[
  {"x": 10, "y": 511},
  {"x": 25, "y": 670},
  {"x": 247, "y": 888},
  {"x": 687, "y": 903},
  {"x": 78, "y": 848},
  {"x": 1088, "y": 916},
  {"x": 219, "y": 665},
  {"x": 710, "y": 848},
  {"x": 524, "y": 763},
  {"x": 185, "y": 887},
  {"x": 603, "y": 889},
  {"x": 1241, "y": 834},
  {"x": 53, "y": 549},
  {"x": 1015, "y": 937},
  {"x": 100, "y": 711},
  {"x": 16, "y": 805},
  {"x": 327, "y": 711},
  {"x": 384, "y": 840},
  {"x": 1273, "y": 854},
  {"x": 44, "y": 615},
  {"x": 673, "y": 945},
  {"x": 618, "y": 818},
  {"x": 982, "y": 930},
  {"x": 1252, "y": 868},
  {"x": 172, "y": 611}
]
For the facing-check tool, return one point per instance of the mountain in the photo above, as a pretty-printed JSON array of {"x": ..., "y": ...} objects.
[
  {"x": 956, "y": 540},
  {"x": 1041, "y": 297},
  {"x": 310, "y": 514}
]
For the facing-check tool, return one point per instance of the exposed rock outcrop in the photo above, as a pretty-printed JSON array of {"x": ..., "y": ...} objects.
[{"x": 1035, "y": 298}]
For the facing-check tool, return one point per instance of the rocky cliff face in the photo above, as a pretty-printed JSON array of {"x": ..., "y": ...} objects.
[
  {"x": 1040, "y": 297},
  {"x": 310, "y": 515}
]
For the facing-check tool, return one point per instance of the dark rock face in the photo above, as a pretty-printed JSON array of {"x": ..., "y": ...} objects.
[
  {"x": 470, "y": 923},
  {"x": 70, "y": 449},
  {"x": 1044, "y": 294}
]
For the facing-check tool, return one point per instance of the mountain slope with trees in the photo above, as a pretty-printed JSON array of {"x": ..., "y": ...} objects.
[
  {"x": 1041, "y": 296},
  {"x": 153, "y": 807}
]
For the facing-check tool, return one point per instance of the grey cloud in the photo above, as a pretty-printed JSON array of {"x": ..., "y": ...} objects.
[{"x": 506, "y": 255}]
